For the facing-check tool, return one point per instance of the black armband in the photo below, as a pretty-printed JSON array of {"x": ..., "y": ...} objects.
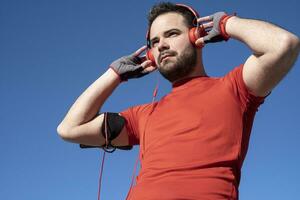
[{"x": 112, "y": 126}]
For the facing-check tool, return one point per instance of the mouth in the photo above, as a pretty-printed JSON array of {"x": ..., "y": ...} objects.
[{"x": 164, "y": 57}]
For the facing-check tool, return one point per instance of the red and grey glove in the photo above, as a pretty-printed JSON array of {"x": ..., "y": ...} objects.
[
  {"x": 128, "y": 67},
  {"x": 217, "y": 32},
  {"x": 132, "y": 66}
]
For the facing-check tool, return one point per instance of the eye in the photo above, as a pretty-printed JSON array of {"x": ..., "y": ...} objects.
[
  {"x": 172, "y": 34},
  {"x": 154, "y": 43}
]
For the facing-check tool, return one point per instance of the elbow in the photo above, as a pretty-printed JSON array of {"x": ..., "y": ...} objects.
[
  {"x": 288, "y": 50},
  {"x": 291, "y": 45},
  {"x": 64, "y": 131},
  {"x": 294, "y": 43}
]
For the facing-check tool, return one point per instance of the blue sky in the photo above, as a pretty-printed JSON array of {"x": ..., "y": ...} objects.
[{"x": 50, "y": 51}]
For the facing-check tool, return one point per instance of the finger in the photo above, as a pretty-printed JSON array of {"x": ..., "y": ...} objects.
[
  {"x": 207, "y": 39},
  {"x": 200, "y": 42},
  {"x": 143, "y": 58},
  {"x": 208, "y": 25},
  {"x": 150, "y": 69},
  {"x": 204, "y": 19},
  {"x": 146, "y": 64},
  {"x": 140, "y": 50}
]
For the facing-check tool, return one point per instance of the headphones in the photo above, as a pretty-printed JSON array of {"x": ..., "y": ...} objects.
[{"x": 194, "y": 32}]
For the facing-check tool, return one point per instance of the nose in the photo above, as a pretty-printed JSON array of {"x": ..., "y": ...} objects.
[{"x": 163, "y": 45}]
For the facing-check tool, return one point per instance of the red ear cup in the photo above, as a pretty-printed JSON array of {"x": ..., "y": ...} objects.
[
  {"x": 150, "y": 56},
  {"x": 195, "y": 33}
]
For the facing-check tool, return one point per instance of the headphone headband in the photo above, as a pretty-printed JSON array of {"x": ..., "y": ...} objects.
[{"x": 193, "y": 11}]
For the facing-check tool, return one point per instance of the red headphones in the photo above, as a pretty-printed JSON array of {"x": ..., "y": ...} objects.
[{"x": 194, "y": 33}]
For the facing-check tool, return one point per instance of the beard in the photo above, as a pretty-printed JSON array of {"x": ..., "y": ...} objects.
[{"x": 179, "y": 69}]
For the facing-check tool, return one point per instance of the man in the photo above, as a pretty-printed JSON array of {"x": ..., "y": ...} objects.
[{"x": 194, "y": 140}]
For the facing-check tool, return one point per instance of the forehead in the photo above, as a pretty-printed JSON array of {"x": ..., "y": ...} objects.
[{"x": 166, "y": 22}]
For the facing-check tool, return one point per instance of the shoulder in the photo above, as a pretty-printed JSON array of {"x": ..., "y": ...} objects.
[
  {"x": 234, "y": 80},
  {"x": 138, "y": 110}
]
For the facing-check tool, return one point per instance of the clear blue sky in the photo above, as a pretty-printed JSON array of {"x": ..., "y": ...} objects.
[{"x": 50, "y": 51}]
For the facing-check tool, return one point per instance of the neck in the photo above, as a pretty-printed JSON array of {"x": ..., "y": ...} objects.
[{"x": 197, "y": 71}]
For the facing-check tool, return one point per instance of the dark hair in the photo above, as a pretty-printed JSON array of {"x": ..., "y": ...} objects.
[{"x": 165, "y": 7}]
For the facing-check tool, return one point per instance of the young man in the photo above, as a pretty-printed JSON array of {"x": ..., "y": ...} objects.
[{"x": 194, "y": 140}]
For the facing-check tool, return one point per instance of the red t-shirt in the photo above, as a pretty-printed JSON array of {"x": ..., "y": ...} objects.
[{"x": 194, "y": 140}]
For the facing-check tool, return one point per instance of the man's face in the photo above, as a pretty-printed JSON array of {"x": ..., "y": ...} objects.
[{"x": 174, "y": 54}]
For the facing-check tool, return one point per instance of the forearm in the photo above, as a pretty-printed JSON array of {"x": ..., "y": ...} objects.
[
  {"x": 81, "y": 125},
  {"x": 91, "y": 100}
]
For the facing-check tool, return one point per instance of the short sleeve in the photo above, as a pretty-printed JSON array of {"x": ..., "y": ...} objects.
[
  {"x": 131, "y": 125},
  {"x": 136, "y": 117},
  {"x": 236, "y": 82}
]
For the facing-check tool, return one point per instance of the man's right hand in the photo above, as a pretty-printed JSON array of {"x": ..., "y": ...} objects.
[{"x": 132, "y": 66}]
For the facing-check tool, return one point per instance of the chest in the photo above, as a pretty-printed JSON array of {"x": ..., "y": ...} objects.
[{"x": 193, "y": 118}]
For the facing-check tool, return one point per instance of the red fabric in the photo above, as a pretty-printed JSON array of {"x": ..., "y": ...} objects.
[{"x": 194, "y": 140}]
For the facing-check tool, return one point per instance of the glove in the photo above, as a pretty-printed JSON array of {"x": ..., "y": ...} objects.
[
  {"x": 217, "y": 32},
  {"x": 132, "y": 66}
]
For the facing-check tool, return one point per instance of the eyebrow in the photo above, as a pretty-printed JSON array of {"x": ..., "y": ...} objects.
[{"x": 165, "y": 33}]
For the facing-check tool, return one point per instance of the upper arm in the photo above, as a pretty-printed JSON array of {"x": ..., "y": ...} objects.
[
  {"x": 89, "y": 133},
  {"x": 260, "y": 78},
  {"x": 261, "y": 73}
]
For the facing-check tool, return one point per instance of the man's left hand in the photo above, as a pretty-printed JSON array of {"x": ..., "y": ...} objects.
[{"x": 215, "y": 28}]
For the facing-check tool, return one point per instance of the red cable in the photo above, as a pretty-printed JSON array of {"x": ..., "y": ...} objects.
[
  {"x": 100, "y": 175},
  {"x": 156, "y": 89},
  {"x": 133, "y": 176},
  {"x": 137, "y": 160},
  {"x": 106, "y": 144}
]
